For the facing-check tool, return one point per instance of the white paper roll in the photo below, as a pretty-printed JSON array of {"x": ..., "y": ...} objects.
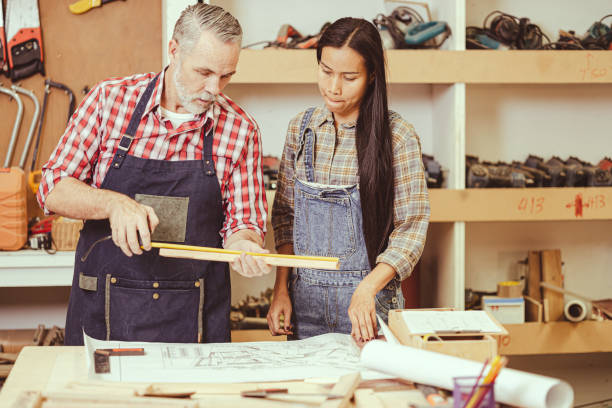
[
  {"x": 511, "y": 386},
  {"x": 575, "y": 311}
]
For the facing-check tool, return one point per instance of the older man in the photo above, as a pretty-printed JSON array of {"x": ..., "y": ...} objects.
[{"x": 173, "y": 139}]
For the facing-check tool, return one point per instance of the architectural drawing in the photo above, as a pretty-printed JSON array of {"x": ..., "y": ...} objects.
[{"x": 328, "y": 355}]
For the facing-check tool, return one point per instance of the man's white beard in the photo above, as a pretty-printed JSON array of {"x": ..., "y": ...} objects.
[{"x": 189, "y": 101}]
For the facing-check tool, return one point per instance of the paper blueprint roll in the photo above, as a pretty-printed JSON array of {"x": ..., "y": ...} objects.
[{"x": 511, "y": 386}]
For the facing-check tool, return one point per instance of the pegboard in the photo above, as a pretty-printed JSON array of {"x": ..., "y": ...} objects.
[{"x": 117, "y": 39}]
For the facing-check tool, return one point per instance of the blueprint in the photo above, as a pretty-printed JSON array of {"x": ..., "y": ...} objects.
[{"x": 327, "y": 355}]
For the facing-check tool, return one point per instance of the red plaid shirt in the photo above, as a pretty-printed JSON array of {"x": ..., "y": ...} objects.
[{"x": 88, "y": 145}]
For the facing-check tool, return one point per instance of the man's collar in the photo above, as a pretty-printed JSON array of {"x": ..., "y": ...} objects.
[{"x": 155, "y": 100}]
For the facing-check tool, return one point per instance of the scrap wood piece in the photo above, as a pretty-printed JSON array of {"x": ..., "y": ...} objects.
[
  {"x": 551, "y": 273},
  {"x": 5, "y": 370},
  {"x": 69, "y": 399},
  {"x": 346, "y": 386},
  {"x": 534, "y": 276},
  {"x": 534, "y": 308},
  {"x": 8, "y": 357},
  {"x": 28, "y": 399}
]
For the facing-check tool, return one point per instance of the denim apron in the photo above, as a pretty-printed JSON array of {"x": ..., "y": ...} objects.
[
  {"x": 328, "y": 222},
  {"x": 149, "y": 297}
]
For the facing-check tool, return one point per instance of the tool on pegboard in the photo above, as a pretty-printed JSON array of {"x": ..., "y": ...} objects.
[
  {"x": 83, "y": 6},
  {"x": 3, "y": 65},
  {"x": 24, "y": 39},
  {"x": 35, "y": 174}
]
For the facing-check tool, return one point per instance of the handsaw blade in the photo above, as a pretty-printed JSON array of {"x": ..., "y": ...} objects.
[{"x": 24, "y": 39}]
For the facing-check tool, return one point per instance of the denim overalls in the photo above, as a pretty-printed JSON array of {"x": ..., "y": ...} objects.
[
  {"x": 328, "y": 222},
  {"x": 149, "y": 297}
]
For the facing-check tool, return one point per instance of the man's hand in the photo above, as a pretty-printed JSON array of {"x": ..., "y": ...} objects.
[
  {"x": 362, "y": 312},
  {"x": 247, "y": 265},
  {"x": 281, "y": 306},
  {"x": 129, "y": 220}
]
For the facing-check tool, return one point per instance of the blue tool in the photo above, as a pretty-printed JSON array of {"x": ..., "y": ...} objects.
[{"x": 422, "y": 32}]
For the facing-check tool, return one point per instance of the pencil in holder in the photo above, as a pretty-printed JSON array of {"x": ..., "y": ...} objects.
[{"x": 464, "y": 392}]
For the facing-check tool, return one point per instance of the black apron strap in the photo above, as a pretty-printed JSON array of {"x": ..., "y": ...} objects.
[{"x": 128, "y": 137}]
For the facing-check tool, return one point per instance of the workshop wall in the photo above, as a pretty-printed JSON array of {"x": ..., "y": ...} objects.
[{"x": 117, "y": 39}]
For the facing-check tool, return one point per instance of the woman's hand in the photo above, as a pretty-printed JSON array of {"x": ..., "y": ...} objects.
[
  {"x": 281, "y": 306},
  {"x": 362, "y": 312}
]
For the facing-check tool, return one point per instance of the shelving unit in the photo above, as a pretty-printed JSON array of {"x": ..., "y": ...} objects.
[
  {"x": 496, "y": 104},
  {"x": 460, "y": 102}
]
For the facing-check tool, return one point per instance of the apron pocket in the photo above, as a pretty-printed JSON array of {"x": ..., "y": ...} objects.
[
  {"x": 324, "y": 226},
  {"x": 169, "y": 311}
]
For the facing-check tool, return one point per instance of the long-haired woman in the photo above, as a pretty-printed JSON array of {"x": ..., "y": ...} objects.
[{"x": 351, "y": 185}]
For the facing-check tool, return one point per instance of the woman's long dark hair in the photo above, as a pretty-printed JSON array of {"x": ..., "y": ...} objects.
[{"x": 373, "y": 134}]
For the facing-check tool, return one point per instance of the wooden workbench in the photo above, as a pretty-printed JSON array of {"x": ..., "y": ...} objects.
[{"x": 48, "y": 369}]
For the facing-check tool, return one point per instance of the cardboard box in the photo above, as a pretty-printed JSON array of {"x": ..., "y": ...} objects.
[
  {"x": 477, "y": 346},
  {"x": 505, "y": 310}
]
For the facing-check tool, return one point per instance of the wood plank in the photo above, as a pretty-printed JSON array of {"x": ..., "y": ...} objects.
[
  {"x": 220, "y": 255},
  {"x": 552, "y": 273},
  {"x": 346, "y": 386},
  {"x": 521, "y": 204},
  {"x": 535, "y": 67},
  {"x": 533, "y": 311},
  {"x": 557, "y": 338},
  {"x": 439, "y": 67}
]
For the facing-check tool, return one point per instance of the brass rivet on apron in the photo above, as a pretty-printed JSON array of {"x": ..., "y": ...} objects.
[
  {"x": 113, "y": 280},
  {"x": 394, "y": 300},
  {"x": 197, "y": 284},
  {"x": 156, "y": 296},
  {"x": 156, "y": 285},
  {"x": 207, "y": 161}
]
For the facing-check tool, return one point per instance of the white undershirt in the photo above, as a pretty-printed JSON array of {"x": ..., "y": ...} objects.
[{"x": 177, "y": 119}]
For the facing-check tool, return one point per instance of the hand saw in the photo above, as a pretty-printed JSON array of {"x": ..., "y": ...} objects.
[
  {"x": 83, "y": 6},
  {"x": 24, "y": 46},
  {"x": 3, "y": 66}
]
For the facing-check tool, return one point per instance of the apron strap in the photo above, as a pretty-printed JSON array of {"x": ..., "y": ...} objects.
[
  {"x": 128, "y": 137},
  {"x": 209, "y": 163},
  {"x": 307, "y": 137}
]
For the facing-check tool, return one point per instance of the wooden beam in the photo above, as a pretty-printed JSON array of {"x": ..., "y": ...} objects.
[{"x": 557, "y": 338}]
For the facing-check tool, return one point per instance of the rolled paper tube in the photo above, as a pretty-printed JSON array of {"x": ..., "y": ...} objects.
[{"x": 575, "y": 311}]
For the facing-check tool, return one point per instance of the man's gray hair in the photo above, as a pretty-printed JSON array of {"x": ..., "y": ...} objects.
[{"x": 201, "y": 16}]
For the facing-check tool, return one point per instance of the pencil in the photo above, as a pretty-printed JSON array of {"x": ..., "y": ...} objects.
[
  {"x": 481, "y": 390},
  {"x": 491, "y": 381},
  {"x": 471, "y": 394}
]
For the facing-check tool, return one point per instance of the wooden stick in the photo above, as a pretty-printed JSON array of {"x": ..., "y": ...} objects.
[
  {"x": 12, "y": 357},
  {"x": 5, "y": 370},
  {"x": 225, "y": 255},
  {"x": 346, "y": 385}
]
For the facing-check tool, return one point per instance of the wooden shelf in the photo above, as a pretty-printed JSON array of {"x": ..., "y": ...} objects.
[
  {"x": 521, "y": 204},
  {"x": 557, "y": 338},
  {"x": 30, "y": 268},
  {"x": 439, "y": 67}
]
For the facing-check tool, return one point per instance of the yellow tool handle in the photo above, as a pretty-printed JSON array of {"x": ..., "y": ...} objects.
[
  {"x": 32, "y": 180},
  {"x": 82, "y": 6},
  {"x": 228, "y": 251}
]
